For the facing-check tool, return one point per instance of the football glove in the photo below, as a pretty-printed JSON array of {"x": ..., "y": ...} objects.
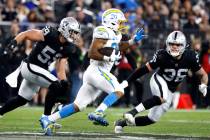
[
  {"x": 13, "y": 44},
  {"x": 124, "y": 84},
  {"x": 113, "y": 57},
  {"x": 203, "y": 89},
  {"x": 139, "y": 35}
]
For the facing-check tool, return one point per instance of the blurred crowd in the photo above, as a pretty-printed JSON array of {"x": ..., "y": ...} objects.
[{"x": 157, "y": 17}]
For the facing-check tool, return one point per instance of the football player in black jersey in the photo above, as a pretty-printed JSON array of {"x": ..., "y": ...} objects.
[
  {"x": 52, "y": 44},
  {"x": 173, "y": 63}
]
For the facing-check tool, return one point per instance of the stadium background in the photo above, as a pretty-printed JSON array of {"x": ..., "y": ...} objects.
[{"x": 157, "y": 17}]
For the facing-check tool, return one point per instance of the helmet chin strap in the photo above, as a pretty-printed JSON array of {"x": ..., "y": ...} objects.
[{"x": 178, "y": 56}]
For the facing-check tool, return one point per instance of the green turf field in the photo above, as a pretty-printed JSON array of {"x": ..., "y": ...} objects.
[{"x": 194, "y": 123}]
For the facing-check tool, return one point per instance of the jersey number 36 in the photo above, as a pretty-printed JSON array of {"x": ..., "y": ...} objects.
[{"x": 176, "y": 75}]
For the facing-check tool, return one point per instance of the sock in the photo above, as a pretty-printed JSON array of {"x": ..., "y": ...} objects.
[
  {"x": 54, "y": 117},
  {"x": 12, "y": 104},
  {"x": 101, "y": 107},
  {"x": 140, "y": 107},
  {"x": 49, "y": 103},
  {"x": 67, "y": 110},
  {"x": 133, "y": 112},
  {"x": 143, "y": 121},
  {"x": 108, "y": 101}
]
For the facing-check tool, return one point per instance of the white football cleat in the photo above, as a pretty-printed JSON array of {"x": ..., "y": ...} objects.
[
  {"x": 130, "y": 119},
  {"x": 118, "y": 129}
]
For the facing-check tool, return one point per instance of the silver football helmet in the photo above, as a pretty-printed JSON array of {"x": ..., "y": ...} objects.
[
  {"x": 176, "y": 43},
  {"x": 70, "y": 29}
]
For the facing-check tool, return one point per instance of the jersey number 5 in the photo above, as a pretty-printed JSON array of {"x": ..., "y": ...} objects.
[{"x": 45, "y": 55}]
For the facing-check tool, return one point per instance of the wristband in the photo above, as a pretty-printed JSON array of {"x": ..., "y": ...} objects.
[{"x": 131, "y": 42}]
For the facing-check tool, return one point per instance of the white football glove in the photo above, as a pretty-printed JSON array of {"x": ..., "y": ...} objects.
[
  {"x": 203, "y": 89},
  {"x": 115, "y": 57},
  {"x": 124, "y": 84}
]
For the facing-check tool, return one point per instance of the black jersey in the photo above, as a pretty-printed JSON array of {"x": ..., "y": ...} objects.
[
  {"x": 173, "y": 70},
  {"x": 47, "y": 51}
]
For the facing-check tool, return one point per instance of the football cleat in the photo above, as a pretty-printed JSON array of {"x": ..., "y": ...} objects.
[
  {"x": 47, "y": 126},
  {"x": 98, "y": 118},
  {"x": 56, "y": 126},
  {"x": 119, "y": 126},
  {"x": 130, "y": 119}
]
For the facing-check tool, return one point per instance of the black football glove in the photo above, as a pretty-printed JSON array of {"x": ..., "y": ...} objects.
[{"x": 12, "y": 45}]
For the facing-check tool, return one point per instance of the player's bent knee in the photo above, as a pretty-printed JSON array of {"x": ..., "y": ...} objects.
[
  {"x": 79, "y": 106},
  {"x": 21, "y": 100},
  {"x": 158, "y": 100},
  {"x": 154, "y": 119},
  {"x": 119, "y": 94},
  {"x": 120, "y": 91}
]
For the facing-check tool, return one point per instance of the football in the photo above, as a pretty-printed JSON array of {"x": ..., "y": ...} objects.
[{"x": 106, "y": 51}]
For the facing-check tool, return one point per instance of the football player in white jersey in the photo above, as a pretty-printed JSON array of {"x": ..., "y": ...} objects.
[{"x": 97, "y": 76}]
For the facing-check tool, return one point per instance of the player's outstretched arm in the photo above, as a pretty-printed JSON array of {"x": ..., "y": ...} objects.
[
  {"x": 204, "y": 81},
  {"x": 136, "y": 74},
  {"x": 139, "y": 35},
  {"x": 33, "y": 35}
]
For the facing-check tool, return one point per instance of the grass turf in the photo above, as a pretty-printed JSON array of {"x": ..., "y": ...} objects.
[{"x": 190, "y": 123}]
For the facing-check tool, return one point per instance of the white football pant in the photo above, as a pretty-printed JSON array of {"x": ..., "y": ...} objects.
[
  {"x": 34, "y": 78},
  {"x": 159, "y": 88},
  {"x": 95, "y": 79}
]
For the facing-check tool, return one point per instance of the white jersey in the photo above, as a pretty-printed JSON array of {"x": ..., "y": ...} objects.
[{"x": 114, "y": 39}]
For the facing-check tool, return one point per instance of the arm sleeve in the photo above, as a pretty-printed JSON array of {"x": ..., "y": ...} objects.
[
  {"x": 69, "y": 50},
  {"x": 138, "y": 73},
  {"x": 195, "y": 65},
  {"x": 156, "y": 60}
]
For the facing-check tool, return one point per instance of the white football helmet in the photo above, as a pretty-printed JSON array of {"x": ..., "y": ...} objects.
[
  {"x": 178, "y": 39},
  {"x": 70, "y": 29},
  {"x": 114, "y": 19}
]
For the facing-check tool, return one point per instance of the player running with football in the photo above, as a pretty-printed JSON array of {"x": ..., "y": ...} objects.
[
  {"x": 51, "y": 44},
  {"x": 97, "y": 76},
  {"x": 174, "y": 62}
]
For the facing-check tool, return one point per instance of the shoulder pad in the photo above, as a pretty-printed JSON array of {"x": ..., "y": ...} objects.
[
  {"x": 46, "y": 30},
  {"x": 101, "y": 32}
]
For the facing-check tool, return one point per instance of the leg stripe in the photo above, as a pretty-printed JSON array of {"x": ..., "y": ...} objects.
[
  {"x": 159, "y": 85},
  {"x": 106, "y": 76},
  {"x": 39, "y": 74}
]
